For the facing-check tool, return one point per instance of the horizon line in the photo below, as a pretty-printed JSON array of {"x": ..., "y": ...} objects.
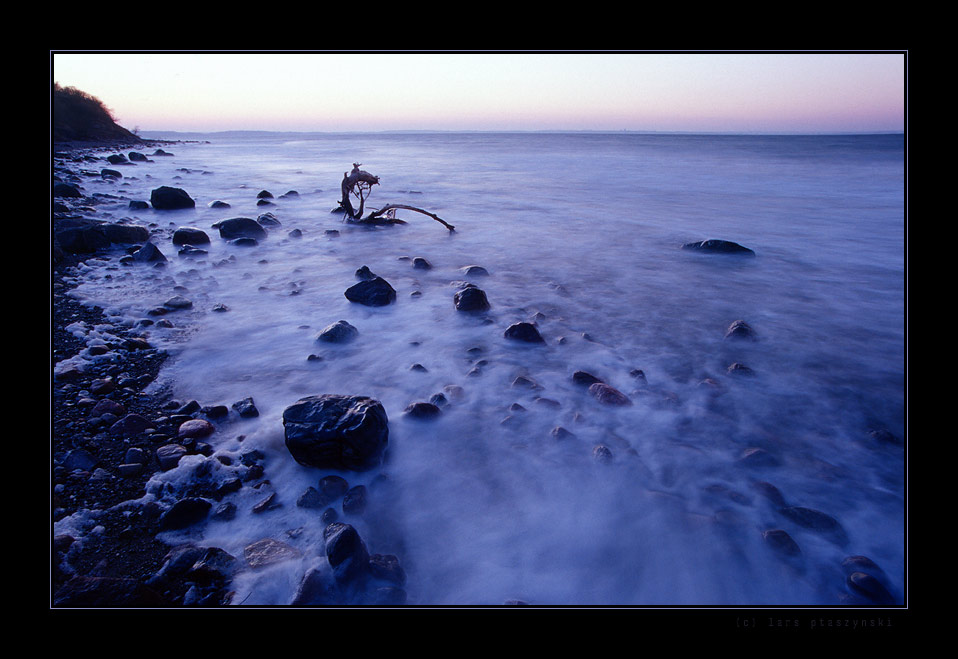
[{"x": 234, "y": 131}]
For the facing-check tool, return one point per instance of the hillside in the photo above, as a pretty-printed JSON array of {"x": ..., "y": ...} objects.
[{"x": 80, "y": 117}]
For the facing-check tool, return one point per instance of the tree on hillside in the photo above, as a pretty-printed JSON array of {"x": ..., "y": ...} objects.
[{"x": 78, "y": 115}]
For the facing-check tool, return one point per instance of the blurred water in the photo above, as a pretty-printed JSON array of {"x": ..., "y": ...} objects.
[{"x": 583, "y": 230}]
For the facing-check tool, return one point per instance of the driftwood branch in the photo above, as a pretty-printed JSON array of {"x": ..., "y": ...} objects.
[
  {"x": 358, "y": 183},
  {"x": 390, "y": 207}
]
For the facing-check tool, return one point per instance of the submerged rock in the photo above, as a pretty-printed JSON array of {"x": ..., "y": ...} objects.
[
  {"x": 781, "y": 543},
  {"x": 375, "y": 292},
  {"x": 471, "y": 298},
  {"x": 336, "y": 432},
  {"x": 524, "y": 332},
  {"x": 870, "y": 588},
  {"x": 816, "y": 520},
  {"x": 608, "y": 395},
  {"x": 585, "y": 378},
  {"x": 339, "y": 332},
  {"x": 718, "y": 247},
  {"x": 740, "y": 330},
  {"x": 422, "y": 411}
]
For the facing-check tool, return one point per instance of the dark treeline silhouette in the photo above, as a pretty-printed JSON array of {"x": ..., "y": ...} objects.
[{"x": 78, "y": 116}]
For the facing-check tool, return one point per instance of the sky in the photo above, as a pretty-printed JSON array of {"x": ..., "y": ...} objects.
[{"x": 795, "y": 92}]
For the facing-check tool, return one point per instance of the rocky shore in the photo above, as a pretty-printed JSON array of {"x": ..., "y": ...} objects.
[
  {"x": 109, "y": 437},
  {"x": 109, "y": 567}
]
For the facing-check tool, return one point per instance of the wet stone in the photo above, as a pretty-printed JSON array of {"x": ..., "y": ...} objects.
[
  {"x": 333, "y": 486},
  {"x": 312, "y": 498},
  {"x": 585, "y": 378},
  {"x": 355, "y": 500},
  {"x": 184, "y": 513},
  {"x": 268, "y": 552},
  {"x": 740, "y": 330},
  {"x": 608, "y": 395},
  {"x": 339, "y": 332},
  {"x": 602, "y": 454},
  {"x": 781, "y": 542},
  {"x": 422, "y": 410},
  {"x": 375, "y": 292},
  {"x": 523, "y": 332},
  {"x": 867, "y": 586}
]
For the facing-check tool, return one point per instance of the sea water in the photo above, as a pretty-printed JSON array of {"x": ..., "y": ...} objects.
[{"x": 580, "y": 233}]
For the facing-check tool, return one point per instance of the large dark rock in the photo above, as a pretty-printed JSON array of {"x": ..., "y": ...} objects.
[
  {"x": 167, "y": 198},
  {"x": 126, "y": 234},
  {"x": 375, "y": 292},
  {"x": 240, "y": 227},
  {"x": 471, "y": 298},
  {"x": 81, "y": 236},
  {"x": 525, "y": 332},
  {"x": 336, "y": 432},
  {"x": 345, "y": 551},
  {"x": 66, "y": 190},
  {"x": 718, "y": 247},
  {"x": 190, "y": 236}
]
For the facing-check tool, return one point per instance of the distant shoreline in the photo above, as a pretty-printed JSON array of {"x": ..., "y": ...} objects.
[{"x": 252, "y": 133}]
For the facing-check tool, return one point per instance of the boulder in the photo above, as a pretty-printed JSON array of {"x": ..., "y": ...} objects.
[
  {"x": 240, "y": 227},
  {"x": 336, "y": 432},
  {"x": 525, "y": 332},
  {"x": 345, "y": 550},
  {"x": 190, "y": 236},
  {"x": 148, "y": 253},
  {"x": 375, "y": 292},
  {"x": 338, "y": 332},
  {"x": 471, "y": 298},
  {"x": 168, "y": 198},
  {"x": 66, "y": 190},
  {"x": 81, "y": 236},
  {"x": 126, "y": 234},
  {"x": 718, "y": 247}
]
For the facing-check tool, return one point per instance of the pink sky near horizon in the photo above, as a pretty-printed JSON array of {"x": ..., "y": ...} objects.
[{"x": 706, "y": 92}]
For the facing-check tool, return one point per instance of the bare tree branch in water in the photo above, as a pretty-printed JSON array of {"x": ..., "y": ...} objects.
[{"x": 358, "y": 184}]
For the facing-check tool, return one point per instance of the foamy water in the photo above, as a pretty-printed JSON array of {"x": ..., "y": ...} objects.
[{"x": 580, "y": 233}]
